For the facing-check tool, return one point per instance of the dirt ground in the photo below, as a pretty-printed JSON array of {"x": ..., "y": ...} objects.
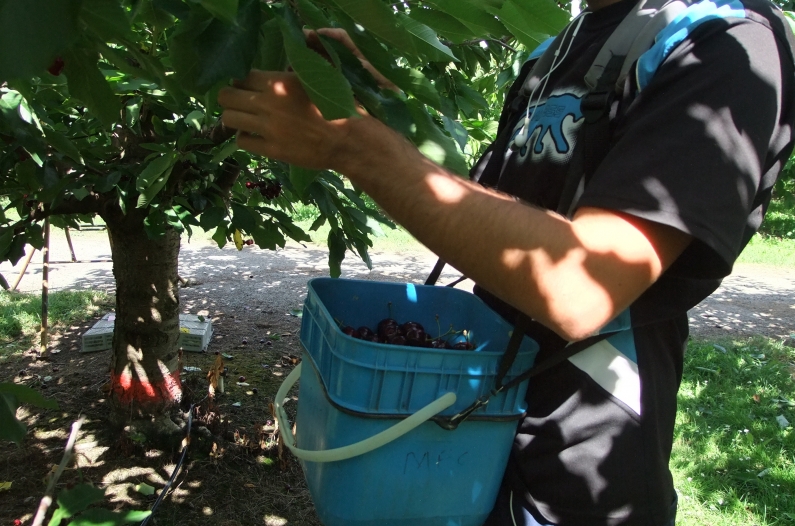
[{"x": 234, "y": 474}]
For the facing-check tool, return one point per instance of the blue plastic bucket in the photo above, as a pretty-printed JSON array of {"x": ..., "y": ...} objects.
[{"x": 352, "y": 390}]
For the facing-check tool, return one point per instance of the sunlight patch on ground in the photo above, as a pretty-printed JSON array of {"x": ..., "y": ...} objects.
[
  {"x": 273, "y": 520},
  {"x": 120, "y": 483},
  {"x": 125, "y": 474},
  {"x": 88, "y": 451},
  {"x": 60, "y": 434}
]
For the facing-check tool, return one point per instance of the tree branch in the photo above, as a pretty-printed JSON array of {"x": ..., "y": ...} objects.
[
  {"x": 46, "y": 501},
  {"x": 91, "y": 204}
]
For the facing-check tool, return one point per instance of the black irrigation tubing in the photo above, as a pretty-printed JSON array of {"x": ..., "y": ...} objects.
[{"x": 171, "y": 479}]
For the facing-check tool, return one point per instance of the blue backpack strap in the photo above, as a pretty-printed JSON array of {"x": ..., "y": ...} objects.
[{"x": 537, "y": 52}]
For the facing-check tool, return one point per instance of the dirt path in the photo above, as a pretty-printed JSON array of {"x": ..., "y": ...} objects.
[{"x": 753, "y": 300}]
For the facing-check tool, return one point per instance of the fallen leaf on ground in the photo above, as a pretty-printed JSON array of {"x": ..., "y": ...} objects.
[{"x": 144, "y": 489}]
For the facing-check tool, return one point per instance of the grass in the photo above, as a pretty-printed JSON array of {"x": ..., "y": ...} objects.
[
  {"x": 771, "y": 251},
  {"x": 20, "y": 314},
  {"x": 779, "y": 220},
  {"x": 733, "y": 462}
]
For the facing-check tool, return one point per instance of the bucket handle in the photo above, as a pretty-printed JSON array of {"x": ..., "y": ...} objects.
[{"x": 359, "y": 448}]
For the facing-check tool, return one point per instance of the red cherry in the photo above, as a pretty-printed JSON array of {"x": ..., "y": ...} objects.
[
  {"x": 56, "y": 67},
  {"x": 249, "y": 184},
  {"x": 350, "y": 331},
  {"x": 366, "y": 333},
  {"x": 387, "y": 328},
  {"x": 249, "y": 241}
]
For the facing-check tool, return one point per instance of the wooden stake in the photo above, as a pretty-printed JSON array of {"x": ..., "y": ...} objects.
[
  {"x": 24, "y": 269},
  {"x": 69, "y": 242},
  {"x": 45, "y": 287}
]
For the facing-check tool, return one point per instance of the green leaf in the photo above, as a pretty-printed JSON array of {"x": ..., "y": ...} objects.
[
  {"x": 336, "y": 252},
  {"x": 61, "y": 143},
  {"x": 80, "y": 193},
  {"x": 473, "y": 15},
  {"x": 456, "y": 131},
  {"x": 26, "y": 395},
  {"x": 148, "y": 12},
  {"x": 88, "y": 84},
  {"x": 434, "y": 144},
  {"x": 153, "y": 178},
  {"x": 225, "y": 10},
  {"x": 206, "y": 51},
  {"x": 473, "y": 97},
  {"x": 317, "y": 223},
  {"x": 220, "y": 235},
  {"x": 533, "y": 21},
  {"x": 33, "y": 33},
  {"x": 211, "y": 218},
  {"x": 75, "y": 500},
  {"x": 143, "y": 488},
  {"x": 267, "y": 236},
  {"x": 224, "y": 151},
  {"x": 154, "y": 170},
  {"x": 325, "y": 85},
  {"x": 155, "y": 223},
  {"x": 103, "y": 517},
  {"x": 426, "y": 42},
  {"x": 244, "y": 218},
  {"x": 107, "y": 19},
  {"x": 34, "y": 236},
  {"x": 271, "y": 55},
  {"x": 16, "y": 250},
  {"x": 105, "y": 185},
  {"x": 132, "y": 111},
  {"x": 10, "y": 428},
  {"x": 446, "y": 25},
  {"x": 301, "y": 178},
  {"x": 422, "y": 88},
  {"x": 176, "y": 8},
  {"x": 380, "y": 20},
  {"x": 195, "y": 119},
  {"x": 156, "y": 147},
  {"x": 312, "y": 15}
]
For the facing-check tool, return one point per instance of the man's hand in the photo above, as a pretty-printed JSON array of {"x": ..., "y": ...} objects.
[{"x": 276, "y": 119}]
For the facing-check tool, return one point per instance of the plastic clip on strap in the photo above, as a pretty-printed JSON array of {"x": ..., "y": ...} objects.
[{"x": 522, "y": 322}]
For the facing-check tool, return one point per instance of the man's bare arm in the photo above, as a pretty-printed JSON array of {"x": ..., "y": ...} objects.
[{"x": 572, "y": 276}]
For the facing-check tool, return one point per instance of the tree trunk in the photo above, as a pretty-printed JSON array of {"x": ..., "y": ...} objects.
[{"x": 145, "y": 365}]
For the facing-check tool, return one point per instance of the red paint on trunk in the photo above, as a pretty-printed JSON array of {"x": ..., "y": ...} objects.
[{"x": 128, "y": 388}]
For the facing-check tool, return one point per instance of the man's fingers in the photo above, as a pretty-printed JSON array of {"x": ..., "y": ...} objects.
[
  {"x": 252, "y": 143},
  {"x": 238, "y": 99},
  {"x": 341, "y": 36},
  {"x": 239, "y": 120}
]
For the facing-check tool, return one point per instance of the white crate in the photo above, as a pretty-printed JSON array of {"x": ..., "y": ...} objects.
[
  {"x": 98, "y": 338},
  {"x": 194, "y": 334}
]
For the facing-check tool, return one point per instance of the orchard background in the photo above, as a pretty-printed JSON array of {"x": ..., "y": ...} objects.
[{"x": 108, "y": 113}]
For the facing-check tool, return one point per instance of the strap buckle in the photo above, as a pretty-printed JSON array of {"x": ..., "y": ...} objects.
[{"x": 451, "y": 423}]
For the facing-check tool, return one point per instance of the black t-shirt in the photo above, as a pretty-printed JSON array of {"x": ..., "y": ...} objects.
[{"x": 700, "y": 134}]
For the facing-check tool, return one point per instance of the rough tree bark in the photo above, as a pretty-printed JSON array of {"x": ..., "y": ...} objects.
[{"x": 145, "y": 380}]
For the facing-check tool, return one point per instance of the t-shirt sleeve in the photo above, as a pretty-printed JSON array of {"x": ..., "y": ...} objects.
[{"x": 700, "y": 146}]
